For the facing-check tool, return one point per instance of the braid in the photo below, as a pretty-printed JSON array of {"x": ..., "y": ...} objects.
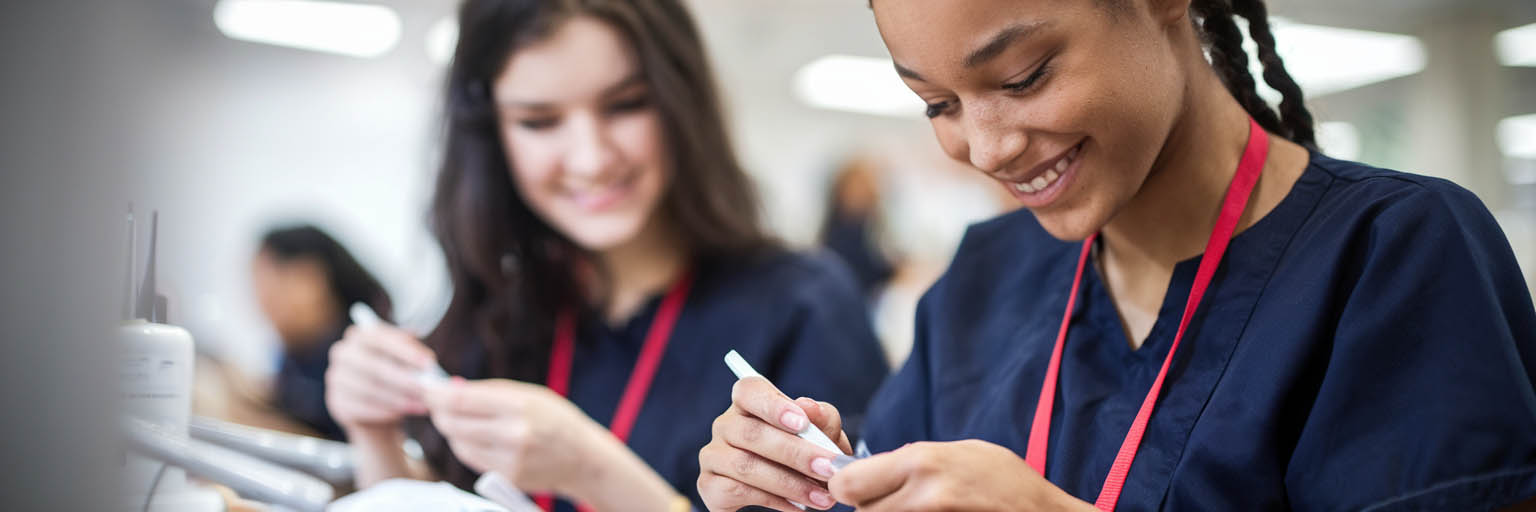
[
  {"x": 1293, "y": 111},
  {"x": 1231, "y": 62}
]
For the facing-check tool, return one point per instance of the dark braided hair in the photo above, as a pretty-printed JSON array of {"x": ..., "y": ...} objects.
[
  {"x": 1216, "y": 23},
  {"x": 1218, "y": 29}
]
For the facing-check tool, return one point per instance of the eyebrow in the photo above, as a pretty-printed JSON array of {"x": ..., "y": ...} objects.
[
  {"x": 994, "y": 47},
  {"x": 1001, "y": 41},
  {"x": 627, "y": 82}
]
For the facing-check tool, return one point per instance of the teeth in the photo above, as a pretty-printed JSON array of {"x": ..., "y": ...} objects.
[{"x": 1051, "y": 175}]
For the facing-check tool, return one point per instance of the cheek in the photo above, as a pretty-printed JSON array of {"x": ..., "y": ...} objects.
[
  {"x": 640, "y": 139},
  {"x": 952, "y": 140},
  {"x": 534, "y": 159},
  {"x": 267, "y": 299},
  {"x": 311, "y": 293}
]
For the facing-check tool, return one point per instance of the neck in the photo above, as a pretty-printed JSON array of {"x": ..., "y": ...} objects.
[
  {"x": 1171, "y": 217},
  {"x": 640, "y": 268}
]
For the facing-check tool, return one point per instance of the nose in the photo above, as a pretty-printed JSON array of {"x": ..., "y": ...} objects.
[
  {"x": 591, "y": 154},
  {"x": 993, "y": 144}
]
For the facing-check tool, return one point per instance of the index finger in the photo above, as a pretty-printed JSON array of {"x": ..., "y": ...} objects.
[
  {"x": 462, "y": 398},
  {"x": 758, "y": 397},
  {"x": 397, "y": 344}
]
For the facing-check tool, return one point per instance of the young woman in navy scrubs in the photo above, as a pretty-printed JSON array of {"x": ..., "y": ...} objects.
[
  {"x": 605, "y": 254},
  {"x": 1197, "y": 311}
]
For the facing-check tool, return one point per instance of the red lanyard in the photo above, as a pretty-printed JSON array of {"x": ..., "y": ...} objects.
[
  {"x": 639, "y": 379},
  {"x": 1248, "y": 170}
]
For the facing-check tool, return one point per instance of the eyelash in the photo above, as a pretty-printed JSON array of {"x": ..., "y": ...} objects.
[
  {"x": 630, "y": 105},
  {"x": 1029, "y": 82},
  {"x": 537, "y": 124},
  {"x": 938, "y": 109},
  {"x": 621, "y": 107}
]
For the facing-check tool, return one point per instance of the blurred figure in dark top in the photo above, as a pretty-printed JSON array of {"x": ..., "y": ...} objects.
[
  {"x": 305, "y": 282},
  {"x": 852, "y": 218}
]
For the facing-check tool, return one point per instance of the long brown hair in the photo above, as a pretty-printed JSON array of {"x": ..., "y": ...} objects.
[{"x": 509, "y": 269}]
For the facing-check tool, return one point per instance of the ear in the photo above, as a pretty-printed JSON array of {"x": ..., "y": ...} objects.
[{"x": 1167, "y": 12}]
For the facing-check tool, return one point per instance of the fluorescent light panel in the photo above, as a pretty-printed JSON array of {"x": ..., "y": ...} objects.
[
  {"x": 354, "y": 29},
  {"x": 1517, "y": 46},
  {"x": 442, "y": 39},
  {"x": 1326, "y": 59},
  {"x": 856, "y": 84},
  {"x": 1517, "y": 136}
]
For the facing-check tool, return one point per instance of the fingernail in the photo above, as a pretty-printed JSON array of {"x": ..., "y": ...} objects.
[
  {"x": 822, "y": 466},
  {"x": 821, "y": 499},
  {"x": 807, "y": 403},
  {"x": 793, "y": 421}
]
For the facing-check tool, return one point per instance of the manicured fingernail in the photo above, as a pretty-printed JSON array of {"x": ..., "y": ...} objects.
[
  {"x": 794, "y": 421},
  {"x": 821, "y": 499},
  {"x": 822, "y": 466}
]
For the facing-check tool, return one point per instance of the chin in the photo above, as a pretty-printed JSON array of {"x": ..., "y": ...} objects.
[
  {"x": 605, "y": 236},
  {"x": 1069, "y": 225}
]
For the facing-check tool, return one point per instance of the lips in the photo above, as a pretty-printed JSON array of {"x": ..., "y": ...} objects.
[
  {"x": 1041, "y": 186},
  {"x": 601, "y": 197},
  {"x": 1045, "y": 174}
]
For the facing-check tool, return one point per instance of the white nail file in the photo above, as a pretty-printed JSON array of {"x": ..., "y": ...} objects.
[
  {"x": 491, "y": 485},
  {"x": 363, "y": 316},
  {"x": 810, "y": 433}
]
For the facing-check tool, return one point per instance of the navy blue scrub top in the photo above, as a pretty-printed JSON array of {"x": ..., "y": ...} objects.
[
  {"x": 799, "y": 319},
  {"x": 299, "y": 385},
  {"x": 1369, "y": 344}
]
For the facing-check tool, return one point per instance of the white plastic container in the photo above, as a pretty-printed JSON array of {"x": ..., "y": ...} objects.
[{"x": 155, "y": 379}]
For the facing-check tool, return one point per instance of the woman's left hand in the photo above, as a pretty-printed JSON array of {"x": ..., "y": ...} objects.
[
  {"x": 537, "y": 439},
  {"x": 960, "y": 475}
]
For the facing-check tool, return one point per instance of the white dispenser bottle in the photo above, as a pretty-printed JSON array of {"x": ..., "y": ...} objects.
[{"x": 155, "y": 376}]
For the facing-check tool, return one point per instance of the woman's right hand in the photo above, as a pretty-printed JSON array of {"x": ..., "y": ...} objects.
[
  {"x": 371, "y": 384},
  {"x": 755, "y": 458}
]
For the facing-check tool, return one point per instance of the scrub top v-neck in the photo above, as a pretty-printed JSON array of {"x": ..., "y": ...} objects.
[{"x": 1368, "y": 343}]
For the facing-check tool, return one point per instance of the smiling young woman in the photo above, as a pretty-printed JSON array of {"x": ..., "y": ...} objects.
[
  {"x": 605, "y": 253},
  {"x": 1195, "y": 311}
]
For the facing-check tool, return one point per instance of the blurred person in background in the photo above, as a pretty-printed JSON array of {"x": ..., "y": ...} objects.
[
  {"x": 851, "y": 229},
  {"x": 605, "y": 252},
  {"x": 1352, "y": 337},
  {"x": 304, "y": 281}
]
